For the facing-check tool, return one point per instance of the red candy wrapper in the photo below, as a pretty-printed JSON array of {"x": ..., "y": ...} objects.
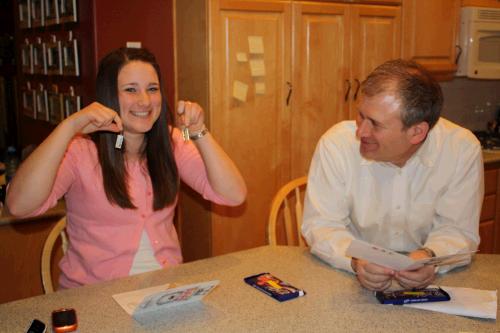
[{"x": 274, "y": 287}]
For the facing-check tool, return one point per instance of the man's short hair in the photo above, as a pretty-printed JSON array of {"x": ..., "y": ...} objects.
[{"x": 419, "y": 93}]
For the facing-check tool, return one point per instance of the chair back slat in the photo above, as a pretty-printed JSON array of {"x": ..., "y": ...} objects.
[
  {"x": 287, "y": 214},
  {"x": 46, "y": 267},
  {"x": 285, "y": 218},
  {"x": 298, "y": 215}
]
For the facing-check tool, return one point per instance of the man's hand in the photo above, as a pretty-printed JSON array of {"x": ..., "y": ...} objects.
[
  {"x": 372, "y": 276},
  {"x": 419, "y": 278}
]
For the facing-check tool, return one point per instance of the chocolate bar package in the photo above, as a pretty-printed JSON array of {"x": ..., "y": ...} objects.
[
  {"x": 274, "y": 287},
  {"x": 400, "y": 297}
]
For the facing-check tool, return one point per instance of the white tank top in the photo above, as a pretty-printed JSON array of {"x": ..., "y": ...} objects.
[{"x": 144, "y": 260}]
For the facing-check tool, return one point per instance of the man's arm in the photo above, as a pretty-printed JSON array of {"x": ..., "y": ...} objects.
[
  {"x": 456, "y": 224},
  {"x": 326, "y": 206}
]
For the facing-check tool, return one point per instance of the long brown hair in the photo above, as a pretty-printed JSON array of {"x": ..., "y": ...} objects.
[{"x": 158, "y": 147}]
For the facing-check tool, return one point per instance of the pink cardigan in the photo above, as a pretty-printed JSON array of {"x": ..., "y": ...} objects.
[{"x": 104, "y": 238}]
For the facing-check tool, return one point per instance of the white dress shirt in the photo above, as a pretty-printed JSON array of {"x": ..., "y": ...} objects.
[{"x": 434, "y": 200}]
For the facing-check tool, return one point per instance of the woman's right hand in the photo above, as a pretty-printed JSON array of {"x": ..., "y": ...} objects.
[{"x": 95, "y": 117}]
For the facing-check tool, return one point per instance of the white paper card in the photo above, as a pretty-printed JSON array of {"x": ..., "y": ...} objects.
[
  {"x": 152, "y": 299},
  {"x": 240, "y": 91},
  {"x": 464, "y": 302},
  {"x": 256, "y": 44},
  {"x": 241, "y": 57},
  {"x": 391, "y": 259},
  {"x": 257, "y": 67},
  {"x": 129, "y": 301}
]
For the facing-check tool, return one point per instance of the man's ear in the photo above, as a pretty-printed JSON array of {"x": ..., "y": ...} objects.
[{"x": 418, "y": 132}]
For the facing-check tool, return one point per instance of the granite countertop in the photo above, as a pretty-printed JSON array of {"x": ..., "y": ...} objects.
[{"x": 334, "y": 300}]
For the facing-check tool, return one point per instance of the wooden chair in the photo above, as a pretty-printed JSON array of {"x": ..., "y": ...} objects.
[
  {"x": 286, "y": 213},
  {"x": 47, "y": 253}
]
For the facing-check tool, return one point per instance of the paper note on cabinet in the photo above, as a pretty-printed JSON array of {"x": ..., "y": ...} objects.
[
  {"x": 260, "y": 88},
  {"x": 241, "y": 57},
  {"x": 240, "y": 91},
  {"x": 256, "y": 44},
  {"x": 257, "y": 67}
]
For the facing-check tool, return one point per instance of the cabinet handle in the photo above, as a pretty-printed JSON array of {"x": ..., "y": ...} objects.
[
  {"x": 346, "y": 97},
  {"x": 459, "y": 53},
  {"x": 289, "y": 93},
  {"x": 357, "y": 89}
]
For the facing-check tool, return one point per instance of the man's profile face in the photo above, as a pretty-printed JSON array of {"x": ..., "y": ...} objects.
[{"x": 380, "y": 129}]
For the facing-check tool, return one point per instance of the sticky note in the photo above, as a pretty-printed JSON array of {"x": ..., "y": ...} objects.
[
  {"x": 257, "y": 67},
  {"x": 240, "y": 91},
  {"x": 260, "y": 88},
  {"x": 255, "y": 44},
  {"x": 134, "y": 45},
  {"x": 241, "y": 57}
]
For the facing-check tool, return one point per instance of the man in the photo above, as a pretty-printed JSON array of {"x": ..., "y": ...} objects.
[{"x": 399, "y": 177}]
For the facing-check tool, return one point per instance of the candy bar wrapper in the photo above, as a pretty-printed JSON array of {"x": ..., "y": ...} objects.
[{"x": 274, "y": 287}]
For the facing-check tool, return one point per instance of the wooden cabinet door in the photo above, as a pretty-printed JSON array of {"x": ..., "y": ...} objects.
[
  {"x": 320, "y": 67},
  {"x": 248, "y": 112},
  {"x": 430, "y": 34},
  {"x": 376, "y": 38},
  {"x": 487, "y": 235}
]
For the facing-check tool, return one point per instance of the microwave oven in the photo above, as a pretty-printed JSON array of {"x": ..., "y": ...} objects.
[{"x": 479, "y": 54}]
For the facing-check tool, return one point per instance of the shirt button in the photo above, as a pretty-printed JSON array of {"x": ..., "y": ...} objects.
[
  {"x": 398, "y": 206},
  {"x": 148, "y": 193},
  {"x": 143, "y": 216}
]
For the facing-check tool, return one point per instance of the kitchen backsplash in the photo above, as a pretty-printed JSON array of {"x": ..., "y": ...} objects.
[{"x": 471, "y": 103}]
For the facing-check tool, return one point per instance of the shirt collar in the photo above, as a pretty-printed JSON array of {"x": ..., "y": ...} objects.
[{"x": 429, "y": 151}]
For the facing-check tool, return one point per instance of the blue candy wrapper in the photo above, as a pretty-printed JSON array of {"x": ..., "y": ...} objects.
[
  {"x": 400, "y": 297},
  {"x": 274, "y": 287}
]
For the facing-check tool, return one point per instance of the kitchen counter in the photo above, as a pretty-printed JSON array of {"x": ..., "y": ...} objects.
[
  {"x": 491, "y": 156},
  {"x": 334, "y": 300},
  {"x": 56, "y": 211}
]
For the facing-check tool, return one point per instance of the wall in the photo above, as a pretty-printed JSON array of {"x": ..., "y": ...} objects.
[
  {"x": 153, "y": 28},
  {"x": 471, "y": 103}
]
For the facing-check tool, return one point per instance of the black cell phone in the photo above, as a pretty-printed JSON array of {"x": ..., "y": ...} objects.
[
  {"x": 400, "y": 297},
  {"x": 64, "y": 320},
  {"x": 37, "y": 326}
]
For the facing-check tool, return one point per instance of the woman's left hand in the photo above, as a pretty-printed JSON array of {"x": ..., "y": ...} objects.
[{"x": 190, "y": 115}]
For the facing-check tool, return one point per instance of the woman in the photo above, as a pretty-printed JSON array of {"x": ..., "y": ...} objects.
[{"x": 120, "y": 201}]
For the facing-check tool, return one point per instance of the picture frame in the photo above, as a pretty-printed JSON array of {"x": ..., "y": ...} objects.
[
  {"x": 56, "y": 105},
  {"x": 37, "y": 13},
  {"x": 70, "y": 57},
  {"x": 27, "y": 57},
  {"x": 51, "y": 12},
  {"x": 39, "y": 57},
  {"x": 24, "y": 14},
  {"x": 68, "y": 11},
  {"x": 28, "y": 101},
  {"x": 41, "y": 103},
  {"x": 72, "y": 102},
  {"x": 54, "y": 57}
]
